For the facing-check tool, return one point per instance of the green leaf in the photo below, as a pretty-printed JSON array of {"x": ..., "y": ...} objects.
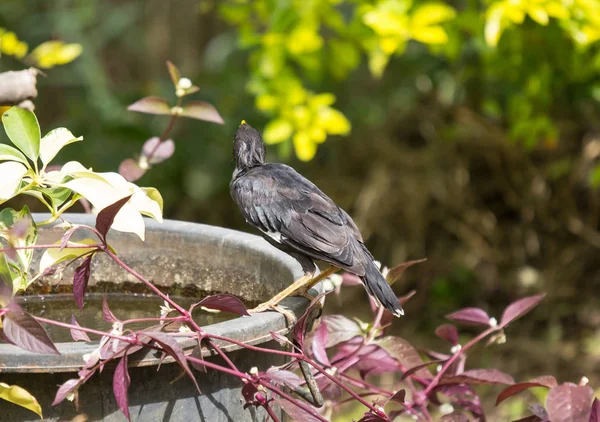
[
  {"x": 151, "y": 105},
  {"x": 54, "y": 141},
  {"x": 54, "y": 256},
  {"x": 9, "y": 277},
  {"x": 21, "y": 397},
  {"x": 277, "y": 131},
  {"x": 22, "y": 128},
  {"x": 57, "y": 195},
  {"x": 19, "y": 230},
  {"x": 8, "y": 153},
  {"x": 202, "y": 111},
  {"x": 11, "y": 174}
]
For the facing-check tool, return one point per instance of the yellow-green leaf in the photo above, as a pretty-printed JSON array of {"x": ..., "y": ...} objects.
[
  {"x": 493, "y": 25},
  {"x": 304, "y": 146},
  {"x": 557, "y": 10},
  {"x": 333, "y": 121},
  {"x": 319, "y": 100},
  {"x": 431, "y": 14},
  {"x": 55, "y": 256},
  {"x": 21, "y": 397},
  {"x": 54, "y": 53},
  {"x": 378, "y": 61},
  {"x": 277, "y": 131},
  {"x": 431, "y": 35},
  {"x": 11, "y": 46},
  {"x": 538, "y": 14},
  {"x": 304, "y": 39}
]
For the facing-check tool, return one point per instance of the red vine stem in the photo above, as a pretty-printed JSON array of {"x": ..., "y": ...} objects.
[{"x": 434, "y": 382}]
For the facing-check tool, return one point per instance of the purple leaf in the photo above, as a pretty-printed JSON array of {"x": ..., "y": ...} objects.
[
  {"x": 24, "y": 331},
  {"x": 121, "y": 381},
  {"x": 543, "y": 381},
  {"x": 249, "y": 392},
  {"x": 318, "y": 345},
  {"x": 403, "y": 352},
  {"x": 399, "y": 396},
  {"x": 67, "y": 388},
  {"x": 107, "y": 314},
  {"x": 173, "y": 348},
  {"x": 519, "y": 308},
  {"x": 595, "y": 416},
  {"x": 454, "y": 417},
  {"x": 81, "y": 276},
  {"x": 531, "y": 418},
  {"x": 447, "y": 332},
  {"x": 371, "y": 360},
  {"x": 131, "y": 170},
  {"x": 286, "y": 378},
  {"x": 299, "y": 330},
  {"x": 570, "y": 403},
  {"x": 66, "y": 237},
  {"x": 197, "y": 353},
  {"x": 349, "y": 279},
  {"x": 478, "y": 376},
  {"x": 470, "y": 316},
  {"x": 78, "y": 334},
  {"x": 151, "y": 105},
  {"x": 225, "y": 303},
  {"x": 296, "y": 413},
  {"x": 418, "y": 367},
  {"x": 539, "y": 411},
  {"x": 173, "y": 72},
  {"x": 106, "y": 217},
  {"x": 339, "y": 329},
  {"x": 371, "y": 417},
  {"x": 406, "y": 297},
  {"x": 157, "y": 152},
  {"x": 202, "y": 111},
  {"x": 396, "y": 273},
  {"x": 463, "y": 396},
  {"x": 282, "y": 340}
]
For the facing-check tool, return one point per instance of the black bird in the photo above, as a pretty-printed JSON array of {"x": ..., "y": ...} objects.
[{"x": 297, "y": 218}]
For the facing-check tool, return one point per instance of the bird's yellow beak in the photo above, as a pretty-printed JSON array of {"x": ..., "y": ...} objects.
[{"x": 243, "y": 123}]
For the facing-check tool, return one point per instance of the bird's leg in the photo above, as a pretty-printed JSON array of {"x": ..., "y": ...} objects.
[
  {"x": 299, "y": 287},
  {"x": 303, "y": 289},
  {"x": 274, "y": 301}
]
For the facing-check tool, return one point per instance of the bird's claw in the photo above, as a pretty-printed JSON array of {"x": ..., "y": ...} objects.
[{"x": 290, "y": 317}]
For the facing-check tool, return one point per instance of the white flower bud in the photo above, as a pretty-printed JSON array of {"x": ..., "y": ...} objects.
[
  {"x": 446, "y": 409},
  {"x": 184, "y": 83},
  {"x": 455, "y": 349}
]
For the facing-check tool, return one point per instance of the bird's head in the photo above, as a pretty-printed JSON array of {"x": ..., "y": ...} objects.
[{"x": 248, "y": 147}]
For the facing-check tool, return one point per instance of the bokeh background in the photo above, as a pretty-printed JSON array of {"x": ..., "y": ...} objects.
[{"x": 467, "y": 132}]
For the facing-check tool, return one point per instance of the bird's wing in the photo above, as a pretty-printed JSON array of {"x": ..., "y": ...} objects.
[{"x": 277, "y": 199}]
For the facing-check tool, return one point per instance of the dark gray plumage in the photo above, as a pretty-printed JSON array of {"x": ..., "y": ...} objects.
[{"x": 297, "y": 218}]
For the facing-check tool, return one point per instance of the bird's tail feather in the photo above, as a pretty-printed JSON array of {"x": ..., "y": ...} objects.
[{"x": 379, "y": 288}]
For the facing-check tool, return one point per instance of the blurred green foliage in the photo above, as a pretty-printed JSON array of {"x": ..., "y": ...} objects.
[{"x": 298, "y": 46}]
